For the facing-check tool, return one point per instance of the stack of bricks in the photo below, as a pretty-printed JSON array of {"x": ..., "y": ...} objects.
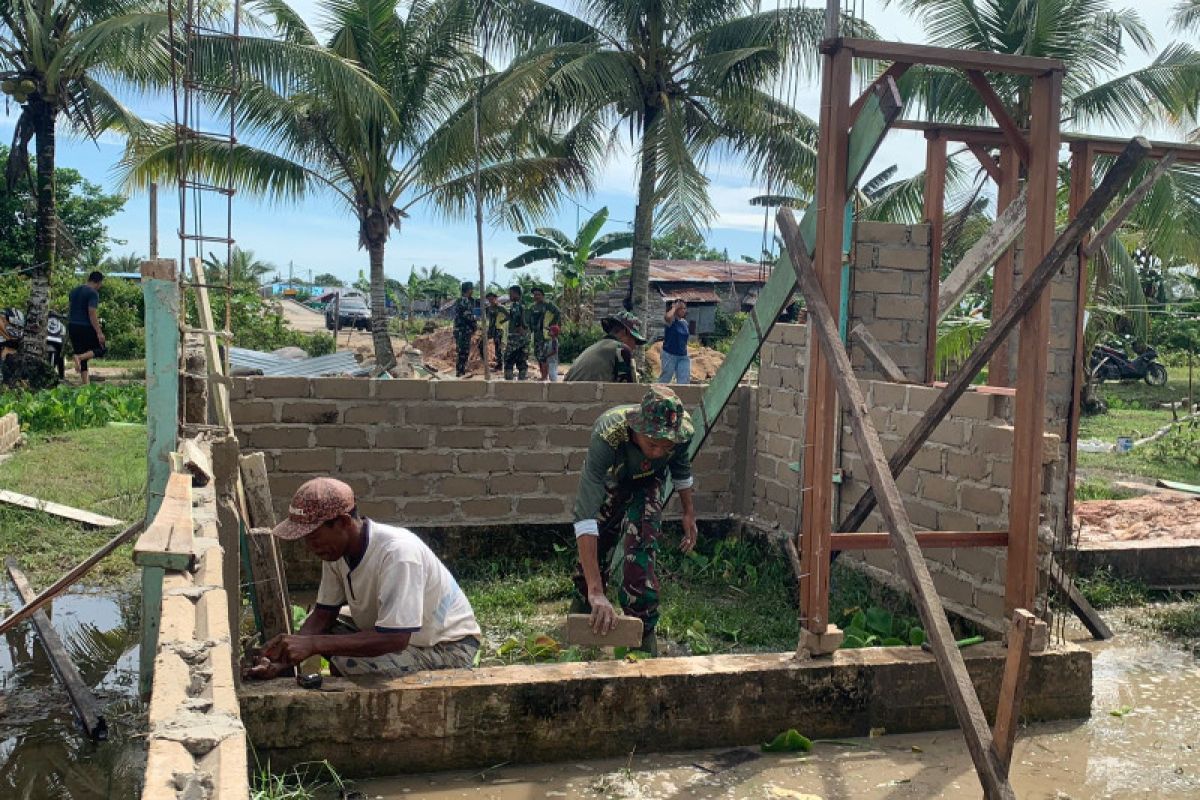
[
  {"x": 10, "y": 432},
  {"x": 779, "y": 432},
  {"x": 451, "y": 453},
  {"x": 889, "y": 294}
]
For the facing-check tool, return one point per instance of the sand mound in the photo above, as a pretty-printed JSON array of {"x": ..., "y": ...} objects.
[
  {"x": 439, "y": 351},
  {"x": 705, "y": 361},
  {"x": 1165, "y": 515}
]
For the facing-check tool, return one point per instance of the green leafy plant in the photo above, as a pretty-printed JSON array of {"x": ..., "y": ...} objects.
[
  {"x": 878, "y": 627},
  {"x": 790, "y": 741},
  {"x": 68, "y": 408},
  {"x": 536, "y": 649},
  {"x": 1180, "y": 446}
]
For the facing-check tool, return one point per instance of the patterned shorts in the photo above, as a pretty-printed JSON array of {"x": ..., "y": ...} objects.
[{"x": 458, "y": 654}]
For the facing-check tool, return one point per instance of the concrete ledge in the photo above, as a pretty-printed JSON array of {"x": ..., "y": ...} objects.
[
  {"x": 1159, "y": 563},
  {"x": 468, "y": 719}
]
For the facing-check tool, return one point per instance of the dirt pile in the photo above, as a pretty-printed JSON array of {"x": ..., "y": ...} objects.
[
  {"x": 439, "y": 351},
  {"x": 1164, "y": 515},
  {"x": 705, "y": 361}
]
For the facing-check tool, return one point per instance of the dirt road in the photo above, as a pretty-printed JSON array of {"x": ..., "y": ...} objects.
[{"x": 302, "y": 318}]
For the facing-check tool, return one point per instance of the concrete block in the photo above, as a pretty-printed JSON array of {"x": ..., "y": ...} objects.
[
  {"x": 791, "y": 334},
  {"x": 433, "y": 414},
  {"x": 540, "y": 462},
  {"x": 487, "y": 415},
  {"x": 341, "y": 436},
  {"x": 939, "y": 490},
  {"x": 977, "y": 500},
  {"x": 951, "y": 431},
  {"x": 369, "y": 413},
  {"x": 546, "y": 415},
  {"x": 1051, "y": 448},
  {"x": 929, "y": 459},
  {"x": 248, "y": 412},
  {"x": 487, "y": 508},
  {"x": 459, "y": 390},
  {"x": 421, "y": 463},
  {"x": 868, "y": 231},
  {"x": 575, "y": 460},
  {"x": 902, "y": 307},
  {"x": 568, "y": 484},
  {"x": 402, "y": 487},
  {"x": 981, "y": 562},
  {"x": 402, "y": 438},
  {"x": 521, "y": 391},
  {"x": 627, "y": 633},
  {"x": 322, "y": 413},
  {"x": 950, "y": 520},
  {"x": 458, "y": 438},
  {"x": 612, "y": 394},
  {"x": 402, "y": 389},
  {"x": 212, "y": 617},
  {"x": 341, "y": 388},
  {"x": 975, "y": 406},
  {"x": 904, "y": 258},
  {"x": 416, "y": 512},
  {"x": 513, "y": 484},
  {"x": 279, "y": 437},
  {"x": 460, "y": 486},
  {"x": 519, "y": 438},
  {"x": 487, "y": 461},
  {"x": 966, "y": 467},
  {"x": 890, "y": 396},
  {"x": 323, "y": 460},
  {"x": 368, "y": 461},
  {"x": 383, "y": 508},
  {"x": 990, "y": 603},
  {"x": 992, "y": 439},
  {"x": 569, "y": 437},
  {"x": 878, "y": 281},
  {"x": 549, "y": 507},
  {"x": 279, "y": 387}
]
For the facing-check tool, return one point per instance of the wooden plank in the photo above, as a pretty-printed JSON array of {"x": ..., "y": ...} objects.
[
  {"x": 1016, "y": 139},
  {"x": 935, "y": 217},
  {"x": 944, "y": 56},
  {"x": 895, "y": 71},
  {"x": 267, "y": 574},
  {"x": 1178, "y": 486},
  {"x": 168, "y": 540},
  {"x": 1033, "y": 352},
  {"x": 929, "y": 605},
  {"x": 60, "y": 585},
  {"x": 152, "y": 594},
  {"x": 212, "y": 353},
  {"x": 926, "y": 539},
  {"x": 1003, "y": 324},
  {"x": 1079, "y": 604},
  {"x": 1012, "y": 686},
  {"x": 1002, "y": 275},
  {"x": 1129, "y": 204},
  {"x": 160, "y": 293},
  {"x": 229, "y": 526},
  {"x": 981, "y": 256},
  {"x": 85, "y": 518},
  {"x": 1100, "y": 145},
  {"x": 82, "y": 699},
  {"x": 875, "y": 351},
  {"x": 816, "y": 493},
  {"x": 1081, "y": 183},
  {"x": 986, "y": 161},
  {"x": 627, "y": 633},
  {"x": 196, "y": 461}
]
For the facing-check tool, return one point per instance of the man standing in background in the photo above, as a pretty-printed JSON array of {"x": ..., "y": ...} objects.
[
  {"x": 538, "y": 312},
  {"x": 83, "y": 324},
  {"x": 676, "y": 365},
  {"x": 496, "y": 315},
  {"x": 611, "y": 358},
  {"x": 464, "y": 327},
  {"x": 516, "y": 349}
]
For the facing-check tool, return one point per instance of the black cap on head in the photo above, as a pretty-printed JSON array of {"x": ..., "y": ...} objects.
[
  {"x": 490, "y": 294},
  {"x": 467, "y": 287},
  {"x": 537, "y": 290},
  {"x": 516, "y": 288}
]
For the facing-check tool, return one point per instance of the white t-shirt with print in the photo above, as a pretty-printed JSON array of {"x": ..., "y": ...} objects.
[{"x": 399, "y": 586}]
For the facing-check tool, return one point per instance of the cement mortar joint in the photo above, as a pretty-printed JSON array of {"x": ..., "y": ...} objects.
[{"x": 199, "y": 733}]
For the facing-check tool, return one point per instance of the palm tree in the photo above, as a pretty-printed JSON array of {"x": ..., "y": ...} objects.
[
  {"x": 53, "y": 56},
  {"x": 687, "y": 79},
  {"x": 245, "y": 270},
  {"x": 421, "y": 58},
  {"x": 571, "y": 257}
]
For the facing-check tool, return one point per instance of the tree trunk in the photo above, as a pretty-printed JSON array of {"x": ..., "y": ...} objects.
[
  {"x": 376, "y": 229},
  {"x": 36, "y": 315},
  {"x": 643, "y": 223}
]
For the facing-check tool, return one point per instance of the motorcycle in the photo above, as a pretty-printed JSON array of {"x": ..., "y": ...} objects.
[
  {"x": 1111, "y": 364},
  {"x": 12, "y": 332}
]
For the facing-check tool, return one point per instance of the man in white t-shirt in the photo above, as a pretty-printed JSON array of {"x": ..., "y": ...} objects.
[{"x": 408, "y": 612}]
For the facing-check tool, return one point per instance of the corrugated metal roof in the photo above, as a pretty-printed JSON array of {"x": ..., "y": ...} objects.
[
  {"x": 689, "y": 294},
  {"x": 681, "y": 271},
  {"x": 342, "y": 363}
]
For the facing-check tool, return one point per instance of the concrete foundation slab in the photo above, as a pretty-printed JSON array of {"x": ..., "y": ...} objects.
[
  {"x": 471, "y": 719},
  {"x": 1158, "y": 563}
]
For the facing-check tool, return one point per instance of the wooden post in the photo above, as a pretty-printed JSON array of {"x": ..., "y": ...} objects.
[
  {"x": 1002, "y": 277},
  {"x": 1033, "y": 345},
  {"x": 153, "y": 221},
  {"x": 160, "y": 290},
  {"x": 935, "y": 214},
  {"x": 929, "y": 605},
  {"x": 212, "y": 350},
  {"x": 1082, "y": 161},
  {"x": 816, "y": 505},
  {"x": 81, "y": 696},
  {"x": 266, "y": 568},
  {"x": 1012, "y": 686},
  {"x": 225, "y": 472}
]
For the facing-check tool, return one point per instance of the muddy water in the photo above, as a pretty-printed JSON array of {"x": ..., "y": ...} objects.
[
  {"x": 43, "y": 754},
  {"x": 1143, "y": 741}
]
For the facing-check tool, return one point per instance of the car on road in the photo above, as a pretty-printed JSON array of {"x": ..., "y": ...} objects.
[{"x": 352, "y": 312}]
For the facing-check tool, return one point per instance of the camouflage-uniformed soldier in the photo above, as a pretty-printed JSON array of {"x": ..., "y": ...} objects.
[
  {"x": 542, "y": 313},
  {"x": 496, "y": 316},
  {"x": 619, "y": 504},
  {"x": 611, "y": 358},
  {"x": 516, "y": 349},
  {"x": 464, "y": 327}
]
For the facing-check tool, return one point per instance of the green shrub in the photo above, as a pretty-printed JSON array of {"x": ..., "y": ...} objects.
[
  {"x": 725, "y": 328},
  {"x": 66, "y": 408},
  {"x": 1180, "y": 446},
  {"x": 574, "y": 340}
]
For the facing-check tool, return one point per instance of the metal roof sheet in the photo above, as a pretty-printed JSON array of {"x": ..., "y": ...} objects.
[
  {"x": 343, "y": 363},
  {"x": 689, "y": 294},
  {"x": 683, "y": 271}
]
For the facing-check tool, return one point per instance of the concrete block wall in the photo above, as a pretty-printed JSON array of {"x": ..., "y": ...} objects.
[
  {"x": 779, "y": 432},
  {"x": 10, "y": 432},
  {"x": 451, "y": 453},
  {"x": 889, "y": 278}
]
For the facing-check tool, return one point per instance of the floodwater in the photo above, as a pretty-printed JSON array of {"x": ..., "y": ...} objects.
[
  {"x": 1143, "y": 741},
  {"x": 44, "y": 755}
]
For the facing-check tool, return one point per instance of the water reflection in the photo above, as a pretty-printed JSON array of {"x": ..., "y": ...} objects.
[{"x": 43, "y": 753}]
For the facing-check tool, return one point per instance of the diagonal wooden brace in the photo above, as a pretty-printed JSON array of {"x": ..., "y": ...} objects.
[
  {"x": 982, "y": 255},
  {"x": 1002, "y": 326},
  {"x": 1012, "y": 686},
  {"x": 929, "y": 605}
]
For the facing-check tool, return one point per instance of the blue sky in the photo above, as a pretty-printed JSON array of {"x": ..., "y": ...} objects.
[{"x": 319, "y": 235}]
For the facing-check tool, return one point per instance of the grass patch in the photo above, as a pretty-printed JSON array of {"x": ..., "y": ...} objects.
[
  {"x": 1140, "y": 395},
  {"x": 1099, "y": 489},
  {"x": 1144, "y": 462},
  {"x": 1181, "y": 621},
  {"x": 1103, "y": 590},
  {"x": 98, "y": 469}
]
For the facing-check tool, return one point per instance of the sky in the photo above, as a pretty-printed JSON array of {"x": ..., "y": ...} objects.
[{"x": 319, "y": 235}]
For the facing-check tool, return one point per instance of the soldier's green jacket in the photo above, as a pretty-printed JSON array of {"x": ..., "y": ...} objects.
[
  {"x": 517, "y": 318},
  {"x": 495, "y": 317},
  {"x": 606, "y": 360},
  {"x": 613, "y": 459},
  {"x": 537, "y": 314},
  {"x": 464, "y": 315}
]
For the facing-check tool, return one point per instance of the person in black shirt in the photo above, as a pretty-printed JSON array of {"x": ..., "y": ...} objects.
[{"x": 83, "y": 324}]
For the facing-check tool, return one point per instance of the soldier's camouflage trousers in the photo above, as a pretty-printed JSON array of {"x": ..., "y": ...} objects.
[
  {"x": 516, "y": 356},
  {"x": 632, "y": 517},
  {"x": 462, "y": 344},
  {"x": 497, "y": 339}
]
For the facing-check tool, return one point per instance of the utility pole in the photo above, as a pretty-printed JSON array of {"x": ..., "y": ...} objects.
[{"x": 153, "y": 221}]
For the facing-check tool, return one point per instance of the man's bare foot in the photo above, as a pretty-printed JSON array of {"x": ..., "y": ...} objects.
[{"x": 78, "y": 363}]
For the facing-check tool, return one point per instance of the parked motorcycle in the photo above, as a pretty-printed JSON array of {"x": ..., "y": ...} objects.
[
  {"x": 12, "y": 331},
  {"x": 1111, "y": 364}
]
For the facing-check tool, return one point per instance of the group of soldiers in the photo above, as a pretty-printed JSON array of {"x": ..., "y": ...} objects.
[{"x": 529, "y": 324}]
